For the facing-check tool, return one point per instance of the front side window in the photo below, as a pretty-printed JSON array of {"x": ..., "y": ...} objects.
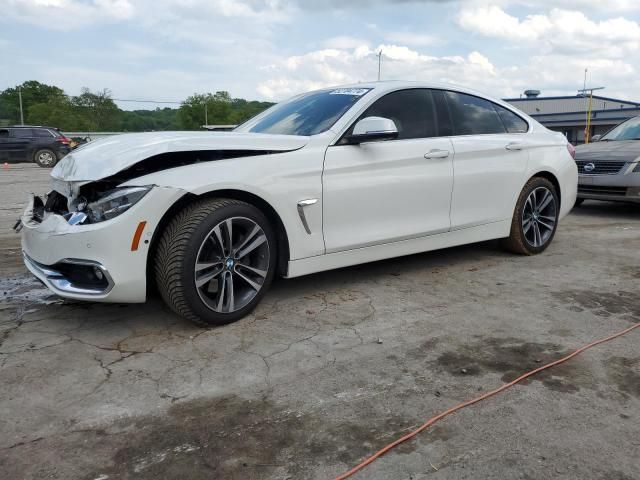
[
  {"x": 629, "y": 130},
  {"x": 307, "y": 114},
  {"x": 411, "y": 110},
  {"x": 473, "y": 115}
]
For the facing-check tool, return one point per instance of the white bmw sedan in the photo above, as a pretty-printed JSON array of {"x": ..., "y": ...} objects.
[{"x": 327, "y": 179}]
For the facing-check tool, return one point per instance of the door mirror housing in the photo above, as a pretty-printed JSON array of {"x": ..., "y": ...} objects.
[
  {"x": 596, "y": 138},
  {"x": 371, "y": 129}
]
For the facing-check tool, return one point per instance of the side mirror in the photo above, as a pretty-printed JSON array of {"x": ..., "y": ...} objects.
[
  {"x": 596, "y": 138},
  {"x": 373, "y": 128}
]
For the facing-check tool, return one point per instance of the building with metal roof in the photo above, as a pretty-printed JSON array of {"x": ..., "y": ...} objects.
[{"x": 569, "y": 114}]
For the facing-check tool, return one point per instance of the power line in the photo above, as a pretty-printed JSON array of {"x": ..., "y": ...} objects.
[
  {"x": 145, "y": 101},
  {"x": 66, "y": 95}
]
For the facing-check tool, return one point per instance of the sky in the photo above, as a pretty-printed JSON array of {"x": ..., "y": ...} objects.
[{"x": 272, "y": 49}]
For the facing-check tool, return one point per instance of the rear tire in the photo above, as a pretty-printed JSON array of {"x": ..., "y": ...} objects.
[
  {"x": 215, "y": 261},
  {"x": 535, "y": 218},
  {"x": 45, "y": 158}
]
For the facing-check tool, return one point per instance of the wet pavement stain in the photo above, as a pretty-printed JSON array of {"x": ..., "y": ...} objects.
[
  {"x": 229, "y": 438},
  {"x": 602, "y": 304},
  {"x": 512, "y": 357},
  {"x": 625, "y": 373}
]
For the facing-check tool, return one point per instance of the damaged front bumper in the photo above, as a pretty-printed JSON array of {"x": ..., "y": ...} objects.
[{"x": 97, "y": 261}]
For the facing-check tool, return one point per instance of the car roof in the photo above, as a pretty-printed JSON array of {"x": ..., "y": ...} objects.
[
  {"x": 30, "y": 126},
  {"x": 385, "y": 86},
  {"x": 390, "y": 85}
]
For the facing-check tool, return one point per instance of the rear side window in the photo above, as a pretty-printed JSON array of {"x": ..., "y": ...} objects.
[
  {"x": 473, "y": 115},
  {"x": 512, "y": 122},
  {"x": 42, "y": 132},
  {"x": 412, "y": 111},
  {"x": 22, "y": 133}
]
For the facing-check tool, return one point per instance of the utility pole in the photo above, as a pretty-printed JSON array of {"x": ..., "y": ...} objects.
[
  {"x": 20, "y": 98},
  {"x": 379, "y": 63},
  {"x": 206, "y": 113},
  {"x": 583, "y": 92}
]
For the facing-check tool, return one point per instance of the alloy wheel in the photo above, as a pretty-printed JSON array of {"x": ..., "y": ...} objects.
[
  {"x": 45, "y": 158},
  {"x": 232, "y": 264},
  {"x": 539, "y": 217}
]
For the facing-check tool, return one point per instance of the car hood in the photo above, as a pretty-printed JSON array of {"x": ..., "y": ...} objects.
[
  {"x": 620, "y": 151},
  {"x": 106, "y": 157}
]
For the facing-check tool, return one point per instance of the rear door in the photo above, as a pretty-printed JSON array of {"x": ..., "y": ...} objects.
[
  {"x": 4, "y": 144},
  {"x": 20, "y": 141},
  {"x": 385, "y": 191},
  {"x": 491, "y": 158}
]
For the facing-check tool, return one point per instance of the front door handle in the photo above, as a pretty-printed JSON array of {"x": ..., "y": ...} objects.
[
  {"x": 436, "y": 153},
  {"x": 514, "y": 146}
]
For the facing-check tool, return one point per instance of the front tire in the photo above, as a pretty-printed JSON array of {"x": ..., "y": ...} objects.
[
  {"x": 45, "y": 158},
  {"x": 535, "y": 218},
  {"x": 215, "y": 261}
]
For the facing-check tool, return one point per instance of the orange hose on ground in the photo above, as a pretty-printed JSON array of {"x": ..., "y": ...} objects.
[{"x": 460, "y": 406}]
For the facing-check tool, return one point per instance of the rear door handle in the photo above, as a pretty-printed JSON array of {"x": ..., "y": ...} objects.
[
  {"x": 515, "y": 146},
  {"x": 436, "y": 153}
]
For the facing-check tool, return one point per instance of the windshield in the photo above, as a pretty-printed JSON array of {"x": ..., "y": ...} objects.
[
  {"x": 629, "y": 130},
  {"x": 307, "y": 114}
]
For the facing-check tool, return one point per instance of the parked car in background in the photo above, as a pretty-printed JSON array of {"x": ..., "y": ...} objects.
[
  {"x": 609, "y": 167},
  {"x": 328, "y": 179},
  {"x": 42, "y": 145}
]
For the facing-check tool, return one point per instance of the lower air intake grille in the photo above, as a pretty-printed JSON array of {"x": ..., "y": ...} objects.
[{"x": 599, "y": 190}]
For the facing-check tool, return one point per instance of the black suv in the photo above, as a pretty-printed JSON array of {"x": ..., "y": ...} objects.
[{"x": 43, "y": 145}]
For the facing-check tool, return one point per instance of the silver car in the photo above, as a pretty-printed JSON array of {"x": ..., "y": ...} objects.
[{"x": 609, "y": 168}]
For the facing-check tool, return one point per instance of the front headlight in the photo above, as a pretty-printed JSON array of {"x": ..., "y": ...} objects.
[{"x": 114, "y": 202}]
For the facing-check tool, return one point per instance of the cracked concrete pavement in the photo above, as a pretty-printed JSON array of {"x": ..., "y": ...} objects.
[{"x": 333, "y": 366}]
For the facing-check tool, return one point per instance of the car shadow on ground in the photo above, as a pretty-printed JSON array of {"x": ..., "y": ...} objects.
[
  {"x": 612, "y": 210},
  {"x": 25, "y": 299}
]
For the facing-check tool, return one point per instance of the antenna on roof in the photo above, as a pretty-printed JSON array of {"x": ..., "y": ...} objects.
[{"x": 583, "y": 93}]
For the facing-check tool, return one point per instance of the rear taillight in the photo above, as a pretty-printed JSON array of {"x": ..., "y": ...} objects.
[
  {"x": 572, "y": 150},
  {"x": 62, "y": 139}
]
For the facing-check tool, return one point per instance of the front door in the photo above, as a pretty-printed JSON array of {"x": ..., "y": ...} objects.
[{"x": 386, "y": 191}]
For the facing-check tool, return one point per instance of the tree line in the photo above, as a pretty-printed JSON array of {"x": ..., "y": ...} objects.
[{"x": 97, "y": 112}]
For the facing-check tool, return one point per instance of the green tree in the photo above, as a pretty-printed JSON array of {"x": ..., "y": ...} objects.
[
  {"x": 56, "y": 112},
  {"x": 214, "y": 109},
  {"x": 33, "y": 93},
  {"x": 97, "y": 110}
]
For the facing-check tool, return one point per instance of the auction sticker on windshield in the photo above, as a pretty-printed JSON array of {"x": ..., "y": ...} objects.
[{"x": 358, "y": 92}]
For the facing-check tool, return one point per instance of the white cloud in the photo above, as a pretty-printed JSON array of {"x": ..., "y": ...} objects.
[
  {"x": 559, "y": 30},
  {"x": 78, "y": 14},
  {"x": 413, "y": 39},
  {"x": 66, "y": 14},
  {"x": 589, "y": 5},
  {"x": 322, "y": 68},
  {"x": 244, "y": 46},
  {"x": 554, "y": 74},
  {"x": 344, "y": 41}
]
